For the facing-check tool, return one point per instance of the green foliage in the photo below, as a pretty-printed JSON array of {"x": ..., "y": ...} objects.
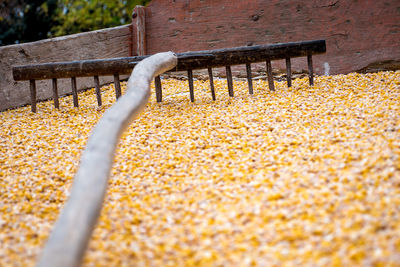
[
  {"x": 26, "y": 20},
  {"x": 31, "y": 20},
  {"x": 87, "y": 15}
]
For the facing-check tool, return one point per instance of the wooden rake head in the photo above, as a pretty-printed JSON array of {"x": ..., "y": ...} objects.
[{"x": 188, "y": 61}]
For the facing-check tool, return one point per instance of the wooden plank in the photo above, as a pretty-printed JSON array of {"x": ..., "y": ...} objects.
[
  {"x": 288, "y": 72},
  {"x": 97, "y": 88},
  {"x": 74, "y": 92},
  {"x": 229, "y": 80},
  {"x": 55, "y": 93},
  {"x": 310, "y": 70},
  {"x": 32, "y": 85},
  {"x": 249, "y": 78},
  {"x": 132, "y": 46},
  {"x": 71, "y": 234},
  {"x": 139, "y": 30},
  {"x": 186, "y": 61},
  {"x": 100, "y": 44},
  {"x": 269, "y": 75},
  {"x": 248, "y": 54},
  {"x": 158, "y": 86},
  {"x": 191, "y": 86},
  {"x": 211, "y": 78},
  {"x": 117, "y": 86},
  {"x": 81, "y": 68}
]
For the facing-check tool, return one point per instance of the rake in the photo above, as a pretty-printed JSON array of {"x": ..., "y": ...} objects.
[
  {"x": 70, "y": 236},
  {"x": 188, "y": 61}
]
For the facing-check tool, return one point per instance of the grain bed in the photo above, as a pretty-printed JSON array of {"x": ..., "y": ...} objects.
[{"x": 307, "y": 175}]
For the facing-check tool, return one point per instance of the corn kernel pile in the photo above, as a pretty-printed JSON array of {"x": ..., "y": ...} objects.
[{"x": 300, "y": 176}]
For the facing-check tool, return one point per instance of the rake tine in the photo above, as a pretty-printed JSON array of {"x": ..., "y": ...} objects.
[
  {"x": 310, "y": 70},
  {"x": 117, "y": 86},
  {"x": 288, "y": 72},
  {"x": 32, "y": 86},
  {"x": 249, "y": 78},
  {"x": 210, "y": 75},
  {"x": 74, "y": 92},
  {"x": 229, "y": 80},
  {"x": 270, "y": 76},
  {"x": 157, "y": 83},
  {"x": 97, "y": 87},
  {"x": 190, "y": 77},
  {"x": 55, "y": 94}
]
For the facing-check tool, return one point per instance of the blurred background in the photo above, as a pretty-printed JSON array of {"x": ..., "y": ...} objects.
[{"x": 31, "y": 20}]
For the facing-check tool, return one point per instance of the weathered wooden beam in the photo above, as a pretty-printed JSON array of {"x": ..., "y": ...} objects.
[
  {"x": 250, "y": 54},
  {"x": 139, "y": 30},
  {"x": 186, "y": 61},
  {"x": 132, "y": 46},
  {"x": 70, "y": 236},
  {"x": 81, "y": 68}
]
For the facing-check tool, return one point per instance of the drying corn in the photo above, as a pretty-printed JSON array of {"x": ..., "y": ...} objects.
[{"x": 299, "y": 176}]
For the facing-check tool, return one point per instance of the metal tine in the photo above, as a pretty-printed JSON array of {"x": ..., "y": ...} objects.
[
  {"x": 269, "y": 75},
  {"x": 210, "y": 75},
  {"x": 97, "y": 87},
  {"x": 32, "y": 85},
  {"x": 191, "y": 87},
  {"x": 117, "y": 86},
  {"x": 74, "y": 92},
  {"x": 288, "y": 72},
  {"x": 55, "y": 93},
  {"x": 157, "y": 83},
  {"x": 229, "y": 80},
  {"x": 310, "y": 69},
  {"x": 249, "y": 78}
]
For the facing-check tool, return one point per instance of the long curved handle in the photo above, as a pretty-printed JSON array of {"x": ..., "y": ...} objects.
[{"x": 70, "y": 236}]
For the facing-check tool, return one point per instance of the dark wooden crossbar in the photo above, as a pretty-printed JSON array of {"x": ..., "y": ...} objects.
[{"x": 187, "y": 61}]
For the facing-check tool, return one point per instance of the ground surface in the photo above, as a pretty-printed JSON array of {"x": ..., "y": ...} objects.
[{"x": 301, "y": 176}]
